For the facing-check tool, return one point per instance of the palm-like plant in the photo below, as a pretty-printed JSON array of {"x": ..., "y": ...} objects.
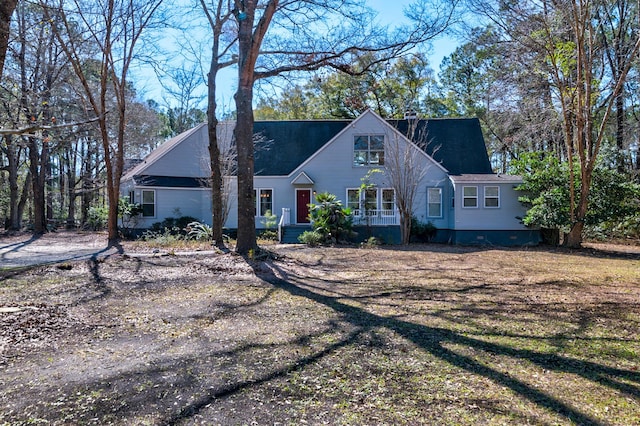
[{"x": 330, "y": 219}]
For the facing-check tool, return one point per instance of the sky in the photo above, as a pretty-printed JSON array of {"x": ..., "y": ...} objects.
[{"x": 390, "y": 12}]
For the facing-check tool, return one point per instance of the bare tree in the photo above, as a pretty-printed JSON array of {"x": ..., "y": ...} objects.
[
  {"x": 219, "y": 14},
  {"x": 405, "y": 166},
  {"x": 309, "y": 35},
  {"x": 182, "y": 87},
  {"x": 228, "y": 170},
  {"x": 619, "y": 23},
  {"x": 115, "y": 26},
  {"x": 37, "y": 69}
]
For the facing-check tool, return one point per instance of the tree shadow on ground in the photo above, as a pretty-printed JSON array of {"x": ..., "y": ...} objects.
[
  {"x": 433, "y": 340},
  {"x": 588, "y": 250},
  {"x": 13, "y": 247},
  {"x": 176, "y": 373}
]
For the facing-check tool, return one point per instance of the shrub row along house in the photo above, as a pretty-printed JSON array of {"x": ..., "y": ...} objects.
[{"x": 456, "y": 190}]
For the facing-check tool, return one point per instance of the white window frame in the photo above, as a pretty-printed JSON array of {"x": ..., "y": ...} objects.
[
  {"x": 154, "y": 204},
  {"x": 393, "y": 202},
  {"x": 361, "y": 194},
  {"x": 364, "y": 200},
  {"x": 258, "y": 204},
  {"x": 367, "y": 153},
  {"x": 430, "y": 202},
  {"x": 351, "y": 204},
  {"x": 492, "y": 197},
  {"x": 466, "y": 197}
]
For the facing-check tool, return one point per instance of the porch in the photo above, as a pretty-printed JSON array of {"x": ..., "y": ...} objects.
[{"x": 384, "y": 224}]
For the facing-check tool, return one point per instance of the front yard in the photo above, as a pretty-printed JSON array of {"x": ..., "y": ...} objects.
[{"x": 427, "y": 334}]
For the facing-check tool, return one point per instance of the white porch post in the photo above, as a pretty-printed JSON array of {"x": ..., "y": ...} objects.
[{"x": 285, "y": 219}]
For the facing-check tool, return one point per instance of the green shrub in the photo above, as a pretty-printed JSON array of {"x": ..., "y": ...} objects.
[
  {"x": 269, "y": 235},
  {"x": 329, "y": 219},
  {"x": 311, "y": 238},
  {"x": 165, "y": 237},
  {"x": 129, "y": 214},
  {"x": 371, "y": 242},
  {"x": 178, "y": 226},
  {"x": 97, "y": 218},
  {"x": 422, "y": 232},
  {"x": 269, "y": 220},
  {"x": 199, "y": 231}
]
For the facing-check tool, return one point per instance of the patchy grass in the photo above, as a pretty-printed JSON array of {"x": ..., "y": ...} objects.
[{"x": 420, "y": 335}]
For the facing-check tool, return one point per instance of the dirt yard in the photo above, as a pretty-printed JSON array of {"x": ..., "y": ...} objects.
[{"x": 428, "y": 334}]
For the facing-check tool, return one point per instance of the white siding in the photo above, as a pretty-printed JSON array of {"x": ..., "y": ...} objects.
[
  {"x": 189, "y": 158},
  {"x": 176, "y": 202}
]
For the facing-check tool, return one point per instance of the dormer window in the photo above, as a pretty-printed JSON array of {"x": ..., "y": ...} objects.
[{"x": 368, "y": 150}]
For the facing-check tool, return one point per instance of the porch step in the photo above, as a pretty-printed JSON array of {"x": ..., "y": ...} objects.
[{"x": 291, "y": 233}]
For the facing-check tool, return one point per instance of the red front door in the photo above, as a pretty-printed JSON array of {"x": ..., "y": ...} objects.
[{"x": 303, "y": 198}]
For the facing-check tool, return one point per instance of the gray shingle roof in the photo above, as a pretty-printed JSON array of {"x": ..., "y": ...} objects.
[
  {"x": 456, "y": 143},
  {"x": 284, "y": 145}
]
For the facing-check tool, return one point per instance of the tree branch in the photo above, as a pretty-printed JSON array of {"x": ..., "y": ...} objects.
[{"x": 39, "y": 127}]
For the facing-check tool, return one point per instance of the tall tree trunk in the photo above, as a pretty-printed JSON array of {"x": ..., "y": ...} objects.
[
  {"x": 71, "y": 160},
  {"x": 6, "y": 10},
  {"x": 574, "y": 237},
  {"x": 48, "y": 181},
  {"x": 85, "y": 180},
  {"x": 24, "y": 196},
  {"x": 620, "y": 122},
  {"x": 405, "y": 227},
  {"x": 14, "y": 188},
  {"x": 247, "y": 54},
  {"x": 249, "y": 42},
  {"x": 244, "y": 139},
  {"x": 37, "y": 187},
  {"x": 216, "y": 175},
  {"x": 217, "y": 216}
]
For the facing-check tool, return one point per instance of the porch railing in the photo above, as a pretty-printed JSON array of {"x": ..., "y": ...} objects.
[
  {"x": 285, "y": 219},
  {"x": 360, "y": 217},
  {"x": 376, "y": 217}
]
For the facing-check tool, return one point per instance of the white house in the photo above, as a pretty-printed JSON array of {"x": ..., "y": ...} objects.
[{"x": 458, "y": 192}]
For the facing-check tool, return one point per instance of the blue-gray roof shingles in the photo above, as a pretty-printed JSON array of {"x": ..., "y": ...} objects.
[
  {"x": 456, "y": 143},
  {"x": 281, "y": 146}
]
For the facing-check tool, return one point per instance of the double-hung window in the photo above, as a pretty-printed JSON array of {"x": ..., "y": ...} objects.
[
  {"x": 148, "y": 203},
  {"x": 368, "y": 150},
  {"x": 469, "y": 196},
  {"x": 353, "y": 199},
  {"x": 492, "y": 196},
  {"x": 388, "y": 202},
  {"x": 372, "y": 201},
  {"x": 264, "y": 202},
  {"x": 434, "y": 202}
]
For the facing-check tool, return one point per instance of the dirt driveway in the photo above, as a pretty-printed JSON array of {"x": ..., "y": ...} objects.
[{"x": 24, "y": 249}]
